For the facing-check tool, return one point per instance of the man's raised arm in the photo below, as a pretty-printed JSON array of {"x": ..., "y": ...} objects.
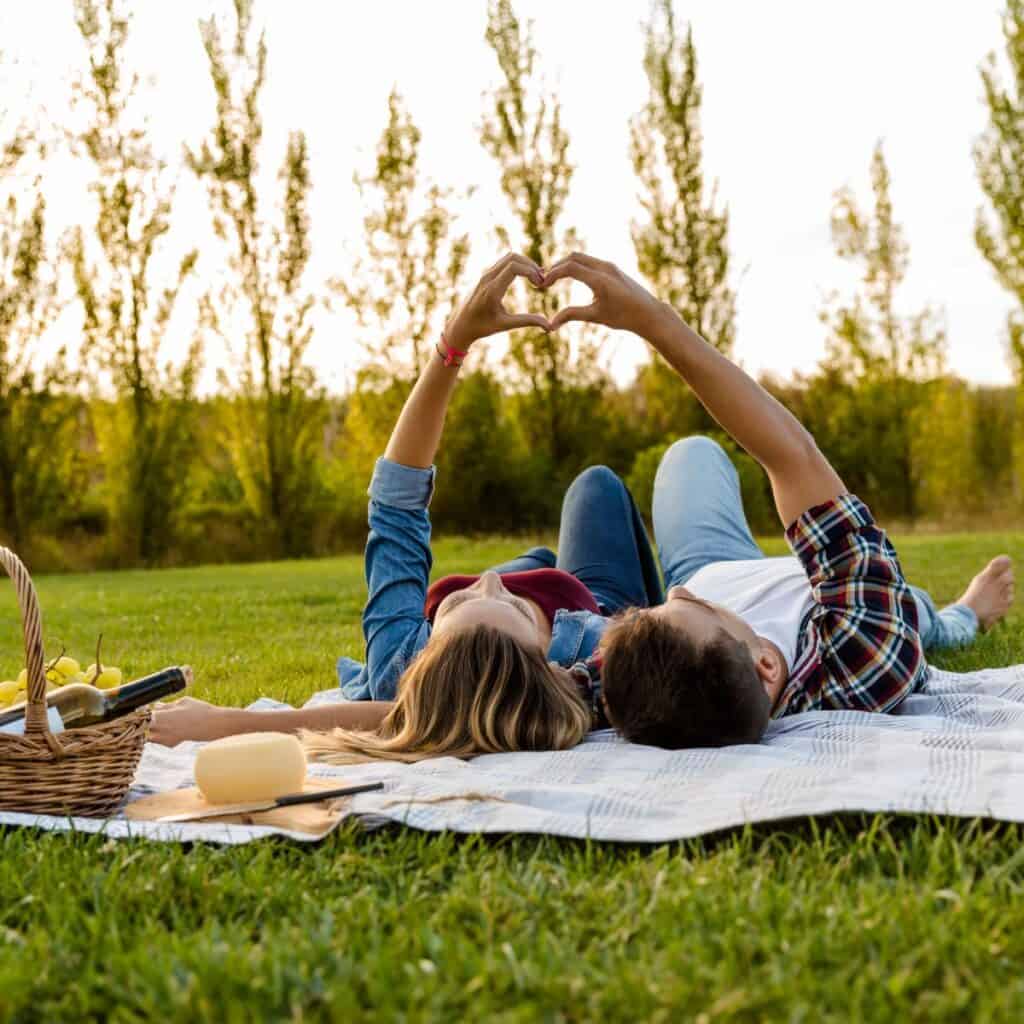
[{"x": 801, "y": 477}]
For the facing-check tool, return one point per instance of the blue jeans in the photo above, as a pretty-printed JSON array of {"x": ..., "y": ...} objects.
[
  {"x": 698, "y": 519},
  {"x": 603, "y": 543}
]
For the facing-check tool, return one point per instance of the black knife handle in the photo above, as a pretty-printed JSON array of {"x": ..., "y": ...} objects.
[{"x": 326, "y": 794}]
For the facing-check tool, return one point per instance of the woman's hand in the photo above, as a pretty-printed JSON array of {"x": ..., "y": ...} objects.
[
  {"x": 619, "y": 301},
  {"x": 188, "y": 719},
  {"x": 484, "y": 314}
]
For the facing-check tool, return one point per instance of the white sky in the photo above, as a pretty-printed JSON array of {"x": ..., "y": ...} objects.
[{"x": 796, "y": 93}]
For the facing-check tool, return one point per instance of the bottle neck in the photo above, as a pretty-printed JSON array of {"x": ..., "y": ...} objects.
[{"x": 144, "y": 691}]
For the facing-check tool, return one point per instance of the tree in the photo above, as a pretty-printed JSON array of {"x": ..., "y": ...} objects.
[
  {"x": 945, "y": 451},
  {"x": 999, "y": 159},
  {"x": 146, "y": 441},
  {"x": 414, "y": 265},
  {"x": 34, "y": 416},
  {"x": 682, "y": 243},
  {"x": 275, "y": 428},
  {"x": 882, "y": 356},
  {"x": 524, "y": 134}
]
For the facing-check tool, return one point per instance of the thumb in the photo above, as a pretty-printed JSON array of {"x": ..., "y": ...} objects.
[
  {"x": 584, "y": 314},
  {"x": 515, "y": 320}
]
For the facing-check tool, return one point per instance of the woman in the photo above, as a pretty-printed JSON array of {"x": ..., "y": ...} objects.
[{"x": 467, "y": 665}]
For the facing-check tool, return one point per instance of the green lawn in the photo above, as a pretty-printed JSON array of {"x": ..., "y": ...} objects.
[{"x": 839, "y": 919}]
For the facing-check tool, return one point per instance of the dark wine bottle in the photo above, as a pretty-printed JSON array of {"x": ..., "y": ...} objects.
[{"x": 79, "y": 704}]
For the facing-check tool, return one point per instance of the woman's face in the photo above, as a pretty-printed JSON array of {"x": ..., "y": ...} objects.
[{"x": 488, "y": 603}]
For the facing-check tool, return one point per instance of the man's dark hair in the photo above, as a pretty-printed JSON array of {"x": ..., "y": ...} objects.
[{"x": 664, "y": 689}]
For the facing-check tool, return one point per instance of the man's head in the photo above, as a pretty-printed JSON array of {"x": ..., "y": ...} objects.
[{"x": 689, "y": 673}]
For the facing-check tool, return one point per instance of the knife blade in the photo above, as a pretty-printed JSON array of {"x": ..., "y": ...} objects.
[{"x": 269, "y": 805}]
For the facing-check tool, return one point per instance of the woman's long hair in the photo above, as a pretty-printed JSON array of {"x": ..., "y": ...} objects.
[{"x": 470, "y": 692}]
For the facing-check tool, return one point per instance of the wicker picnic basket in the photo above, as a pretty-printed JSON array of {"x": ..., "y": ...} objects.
[{"x": 84, "y": 771}]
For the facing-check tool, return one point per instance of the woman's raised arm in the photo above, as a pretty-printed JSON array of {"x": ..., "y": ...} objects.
[
  {"x": 417, "y": 433},
  {"x": 398, "y": 558}
]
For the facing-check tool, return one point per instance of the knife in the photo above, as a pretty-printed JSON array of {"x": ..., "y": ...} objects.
[{"x": 270, "y": 805}]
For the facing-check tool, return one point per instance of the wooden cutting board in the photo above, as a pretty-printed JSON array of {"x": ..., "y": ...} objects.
[{"x": 314, "y": 819}]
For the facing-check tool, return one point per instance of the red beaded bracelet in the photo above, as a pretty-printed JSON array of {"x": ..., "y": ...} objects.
[{"x": 449, "y": 358}]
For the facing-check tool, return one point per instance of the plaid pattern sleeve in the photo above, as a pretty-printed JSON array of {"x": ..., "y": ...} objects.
[{"x": 859, "y": 647}]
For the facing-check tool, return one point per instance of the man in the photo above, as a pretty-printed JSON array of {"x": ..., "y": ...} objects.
[{"x": 742, "y": 638}]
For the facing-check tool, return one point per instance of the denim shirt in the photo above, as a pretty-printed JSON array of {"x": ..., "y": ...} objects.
[{"x": 398, "y": 563}]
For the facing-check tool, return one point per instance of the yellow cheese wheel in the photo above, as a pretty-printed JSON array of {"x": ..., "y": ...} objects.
[{"x": 253, "y": 766}]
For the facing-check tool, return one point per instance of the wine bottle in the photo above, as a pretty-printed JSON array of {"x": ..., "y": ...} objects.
[{"x": 79, "y": 704}]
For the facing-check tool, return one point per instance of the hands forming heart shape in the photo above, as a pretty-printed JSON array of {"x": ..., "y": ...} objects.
[{"x": 618, "y": 301}]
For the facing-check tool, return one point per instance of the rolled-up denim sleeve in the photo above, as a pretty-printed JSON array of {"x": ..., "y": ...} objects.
[{"x": 398, "y": 563}]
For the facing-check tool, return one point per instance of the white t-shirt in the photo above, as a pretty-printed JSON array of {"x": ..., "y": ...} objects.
[{"x": 771, "y": 595}]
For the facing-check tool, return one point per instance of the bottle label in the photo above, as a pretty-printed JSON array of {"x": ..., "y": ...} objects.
[{"x": 52, "y": 717}]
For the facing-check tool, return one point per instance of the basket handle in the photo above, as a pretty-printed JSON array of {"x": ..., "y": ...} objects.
[{"x": 32, "y": 626}]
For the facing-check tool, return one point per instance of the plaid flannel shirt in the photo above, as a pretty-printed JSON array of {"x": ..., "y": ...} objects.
[{"x": 859, "y": 646}]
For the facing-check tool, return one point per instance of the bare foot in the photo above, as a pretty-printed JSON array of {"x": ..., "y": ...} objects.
[{"x": 991, "y": 591}]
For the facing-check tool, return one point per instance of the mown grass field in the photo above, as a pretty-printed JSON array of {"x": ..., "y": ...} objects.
[{"x": 839, "y": 919}]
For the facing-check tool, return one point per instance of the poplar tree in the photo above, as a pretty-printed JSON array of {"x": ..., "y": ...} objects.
[
  {"x": 999, "y": 160},
  {"x": 274, "y": 429},
  {"x": 414, "y": 263},
  {"x": 34, "y": 414},
  {"x": 681, "y": 242},
  {"x": 881, "y": 356},
  {"x": 524, "y": 133},
  {"x": 145, "y": 437}
]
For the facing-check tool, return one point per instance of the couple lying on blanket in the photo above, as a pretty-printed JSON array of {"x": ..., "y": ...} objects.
[{"x": 534, "y": 653}]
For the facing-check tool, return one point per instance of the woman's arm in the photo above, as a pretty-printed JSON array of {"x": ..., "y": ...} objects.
[
  {"x": 417, "y": 434},
  {"x": 800, "y": 475},
  {"x": 191, "y": 719},
  {"x": 398, "y": 558}
]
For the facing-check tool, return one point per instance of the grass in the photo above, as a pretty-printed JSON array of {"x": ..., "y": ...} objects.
[{"x": 855, "y": 918}]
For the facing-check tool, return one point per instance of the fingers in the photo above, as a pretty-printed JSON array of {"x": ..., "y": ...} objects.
[
  {"x": 571, "y": 268},
  {"x": 585, "y": 314},
  {"x": 517, "y": 267},
  {"x": 528, "y": 268},
  {"x": 587, "y": 261},
  {"x": 512, "y": 321}
]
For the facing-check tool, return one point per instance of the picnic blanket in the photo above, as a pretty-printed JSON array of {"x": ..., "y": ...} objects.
[{"x": 956, "y": 747}]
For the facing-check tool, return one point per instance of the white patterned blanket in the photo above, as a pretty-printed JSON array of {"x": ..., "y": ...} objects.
[{"x": 955, "y": 748}]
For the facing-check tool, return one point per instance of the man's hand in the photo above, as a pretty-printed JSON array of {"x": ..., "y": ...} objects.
[
  {"x": 619, "y": 301},
  {"x": 484, "y": 313}
]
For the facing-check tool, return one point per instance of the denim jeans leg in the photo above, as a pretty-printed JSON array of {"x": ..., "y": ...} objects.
[
  {"x": 954, "y": 626},
  {"x": 698, "y": 510},
  {"x": 603, "y": 543},
  {"x": 535, "y": 558}
]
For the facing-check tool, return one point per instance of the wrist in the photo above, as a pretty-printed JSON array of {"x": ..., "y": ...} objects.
[
  {"x": 661, "y": 323},
  {"x": 456, "y": 339}
]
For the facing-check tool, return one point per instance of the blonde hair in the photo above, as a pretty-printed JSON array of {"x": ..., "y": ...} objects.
[{"x": 475, "y": 691}]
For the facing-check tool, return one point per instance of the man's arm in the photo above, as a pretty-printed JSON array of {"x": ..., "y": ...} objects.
[
  {"x": 190, "y": 719},
  {"x": 801, "y": 477}
]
